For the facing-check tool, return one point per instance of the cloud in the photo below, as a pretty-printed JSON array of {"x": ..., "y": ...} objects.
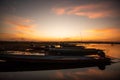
[
  {"x": 59, "y": 11},
  {"x": 9, "y": 36},
  {"x": 20, "y": 24},
  {"x": 92, "y": 14},
  {"x": 98, "y": 10},
  {"x": 18, "y": 28},
  {"x": 108, "y": 29},
  {"x": 109, "y": 33},
  {"x": 22, "y": 29},
  {"x": 18, "y": 19}
]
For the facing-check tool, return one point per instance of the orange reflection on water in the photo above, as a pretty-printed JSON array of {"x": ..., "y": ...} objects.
[
  {"x": 93, "y": 73},
  {"x": 110, "y": 50},
  {"x": 86, "y": 74}
]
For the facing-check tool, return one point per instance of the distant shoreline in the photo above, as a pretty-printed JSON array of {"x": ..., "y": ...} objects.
[{"x": 57, "y": 42}]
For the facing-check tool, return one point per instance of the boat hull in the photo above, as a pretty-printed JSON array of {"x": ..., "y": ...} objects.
[
  {"x": 75, "y": 52},
  {"x": 23, "y": 66},
  {"x": 51, "y": 59}
]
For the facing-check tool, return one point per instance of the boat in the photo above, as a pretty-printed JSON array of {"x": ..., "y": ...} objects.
[
  {"x": 23, "y": 62},
  {"x": 66, "y": 49},
  {"x": 51, "y": 59},
  {"x": 73, "y": 50},
  {"x": 17, "y": 66}
]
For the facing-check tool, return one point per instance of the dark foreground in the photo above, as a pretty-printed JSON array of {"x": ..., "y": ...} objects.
[
  {"x": 23, "y": 71},
  {"x": 15, "y": 66}
]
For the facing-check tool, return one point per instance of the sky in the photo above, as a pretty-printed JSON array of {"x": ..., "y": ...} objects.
[{"x": 59, "y": 20}]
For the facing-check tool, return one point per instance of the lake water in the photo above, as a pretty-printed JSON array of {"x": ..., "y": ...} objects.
[{"x": 111, "y": 72}]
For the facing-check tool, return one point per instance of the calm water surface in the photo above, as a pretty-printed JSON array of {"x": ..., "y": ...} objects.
[{"x": 111, "y": 72}]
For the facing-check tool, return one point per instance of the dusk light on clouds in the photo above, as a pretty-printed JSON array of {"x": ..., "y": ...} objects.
[{"x": 59, "y": 20}]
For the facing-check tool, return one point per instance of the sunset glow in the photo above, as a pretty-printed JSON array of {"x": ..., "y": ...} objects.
[{"x": 57, "y": 20}]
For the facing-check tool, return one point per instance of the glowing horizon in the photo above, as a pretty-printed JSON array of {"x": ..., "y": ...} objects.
[{"x": 59, "y": 20}]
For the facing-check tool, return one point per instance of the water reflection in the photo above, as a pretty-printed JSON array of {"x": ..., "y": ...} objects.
[
  {"x": 87, "y": 74},
  {"x": 73, "y": 72},
  {"x": 110, "y": 50}
]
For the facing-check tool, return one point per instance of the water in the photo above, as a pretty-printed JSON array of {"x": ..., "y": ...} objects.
[{"x": 111, "y": 72}]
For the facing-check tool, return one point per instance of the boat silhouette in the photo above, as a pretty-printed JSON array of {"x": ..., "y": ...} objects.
[
  {"x": 15, "y": 66},
  {"x": 69, "y": 50},
  {"x": 13, "y": 63},
  {"x": 67, "y": 59}
]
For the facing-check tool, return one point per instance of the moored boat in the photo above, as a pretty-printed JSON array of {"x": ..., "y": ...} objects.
[
  {"x": 51, "y": 59},
  {"x": 72, "y": 50}
]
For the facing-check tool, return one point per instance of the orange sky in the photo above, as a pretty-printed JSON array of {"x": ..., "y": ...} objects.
[{"x": 59, "y": 20}]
